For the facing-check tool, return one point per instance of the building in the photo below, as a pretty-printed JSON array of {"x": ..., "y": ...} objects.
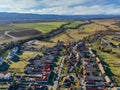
[
  {"x": 11, "y": 55},
  {"x": 15, "y": 49},
  {"x": 1, "y": 60},
  {"x": 6, "y": 76}
]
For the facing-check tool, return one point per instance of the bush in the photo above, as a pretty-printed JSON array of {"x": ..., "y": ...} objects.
[{"x": 105, "y": 49}]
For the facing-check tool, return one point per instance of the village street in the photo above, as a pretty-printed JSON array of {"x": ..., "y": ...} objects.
[{"x": 59, "y": 74}]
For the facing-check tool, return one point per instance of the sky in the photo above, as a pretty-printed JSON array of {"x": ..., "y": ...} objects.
[{"x": 61, "y": 7}]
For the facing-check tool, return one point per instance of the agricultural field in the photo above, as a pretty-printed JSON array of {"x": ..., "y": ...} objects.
[
  {"x": 26, "y": 30},
  {"x": 111, "y": 23},
  {"x": 92, "y": 28},
  {"x": 62, "y": 37},
  {"x": 79, "y": 33},
  {"x": 43, "y": 27},
  {"x": 74, "y": 24},
  {"x": 24, "y": 33}
]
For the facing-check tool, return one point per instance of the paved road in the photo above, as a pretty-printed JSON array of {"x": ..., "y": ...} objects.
[{"x": 7, "y": 34}]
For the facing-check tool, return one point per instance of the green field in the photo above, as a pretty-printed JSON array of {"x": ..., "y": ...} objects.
[
  {"x": 74, "y": 24},
  {"x": 42, "y": 26},
  {"x": 18, "y": 66},
  {"x": 112, "y": 63}
]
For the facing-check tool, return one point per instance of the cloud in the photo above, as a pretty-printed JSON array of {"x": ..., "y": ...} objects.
[
  {"x": 73, "y": 7},
  {"x": 17, "y": 4}
]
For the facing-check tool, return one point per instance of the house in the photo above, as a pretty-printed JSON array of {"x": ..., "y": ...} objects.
[
  {"x": 15, "y": 49},
  {"x": 47, "y": 68},
  {"x": 94, "y": 78},
  {"x": 40, "y": 87},
  {"x": 11, "y": 55},
  {"x": 1, "y": 75},
  {"x": 38, "y": 57},
  {"x": 48, "y": 57},
  {"x": 6, "y": 76},
  {"x": 1, "y": 60},
  {"x": 93, "y": 88},
  {"x": 67, "y": 83},
  {"x": 101, "y": 68},
  {"x": 33, "y": 70},
  {"x": 43, "y": 78},
  {"x": 118, "y": 88},
  {"x": 38, "y": 62},
  {"x": 105, "y": 41}
]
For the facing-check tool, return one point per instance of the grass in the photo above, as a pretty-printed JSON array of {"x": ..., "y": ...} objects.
[
  {"x": 44, "y": 43},
  {"x": 77, "y": 34},
  {"x": 62, "y": 37},
  {"x": 109, "y": 22},
  {"x": 44, "y": 27},
  {"x": 112, "y": 62},
  {"x": 41, "y": 26},
  {"x": 74, "y": 24},
  {"x": 91, "y": 28},
  {"x": 117, "y": 50},
  {"x": 114, "y": 66},
  {"x": 3, "y": 86},
  {"x": 18, "y": 67},
  {"x": 109, "y": 37}
]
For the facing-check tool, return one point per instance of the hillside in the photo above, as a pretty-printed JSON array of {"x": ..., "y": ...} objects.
[{"x": 6, "y": 18}]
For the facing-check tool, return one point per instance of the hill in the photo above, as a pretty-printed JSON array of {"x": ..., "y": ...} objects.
[{"x": 6, "y": 18}]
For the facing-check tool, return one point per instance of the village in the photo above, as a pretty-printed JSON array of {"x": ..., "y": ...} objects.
[
  {"x": 66, "y": 65},
  {"x": 34, "y": 64}
]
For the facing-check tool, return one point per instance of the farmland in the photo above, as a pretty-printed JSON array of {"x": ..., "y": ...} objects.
[
  {"x": 111, "y": 23},
  {"x": 79, "y": 33},
  {"x": 43, "y": 27},
  {"x": 27, "y": 30},
  {"x": 24, "y": 33},
  {"x": 74, "y": 24}
]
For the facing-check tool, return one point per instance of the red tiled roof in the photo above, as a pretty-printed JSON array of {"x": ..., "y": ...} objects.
[
  {"x": 47, "y": 68},
  {"x": 45, "y": 75}
]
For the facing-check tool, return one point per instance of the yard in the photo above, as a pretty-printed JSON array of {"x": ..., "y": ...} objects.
[
  {"x": 18, "y": 67},
  {"x": 112, "y": 64}
]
